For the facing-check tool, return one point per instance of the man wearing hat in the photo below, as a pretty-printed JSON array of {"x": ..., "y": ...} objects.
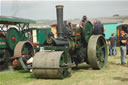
[{"x": 83, "y": 22}]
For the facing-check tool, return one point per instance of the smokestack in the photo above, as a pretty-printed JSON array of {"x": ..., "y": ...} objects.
[{"x": 59, "y": 12}]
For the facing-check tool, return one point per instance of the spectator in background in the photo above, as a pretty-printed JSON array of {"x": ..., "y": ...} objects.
[
  {"x": 98, "y": 28},
  {"x": 112, "y": 45},
  {"x": 94, "y": 21},
  {"x": 123, "y": 43},
  {"x": 83, "y": 22}
]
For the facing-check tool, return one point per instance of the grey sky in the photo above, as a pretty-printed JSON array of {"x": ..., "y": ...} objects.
[{"x": 37, "y": 9}]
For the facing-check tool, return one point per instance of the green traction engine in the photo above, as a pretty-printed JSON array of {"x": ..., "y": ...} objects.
[
  {"x": 72, "y": 47},
  {"x": 14, "y": 41}
]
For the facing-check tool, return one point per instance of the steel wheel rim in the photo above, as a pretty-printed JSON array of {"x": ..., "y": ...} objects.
[{"x": 97, "y": 52}]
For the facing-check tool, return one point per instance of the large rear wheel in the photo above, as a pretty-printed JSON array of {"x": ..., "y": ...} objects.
[{"x": 97, "y": 51}]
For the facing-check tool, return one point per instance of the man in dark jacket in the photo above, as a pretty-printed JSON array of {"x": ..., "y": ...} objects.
[
  {"x": 123, "y": 43},
  {"x": 98, "y": 28},
  {"x": 112, "y": 45}
]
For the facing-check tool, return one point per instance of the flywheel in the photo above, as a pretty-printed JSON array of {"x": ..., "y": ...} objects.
[
  {"x": 12, "y": 37},
  {"x": 97, "y": 51}
]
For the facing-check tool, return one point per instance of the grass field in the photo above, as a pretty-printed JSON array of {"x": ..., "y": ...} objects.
[{"x": 112, "y": 74}]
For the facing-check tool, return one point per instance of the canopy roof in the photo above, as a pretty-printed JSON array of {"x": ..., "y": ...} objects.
[{"x": 14, "y": 20}]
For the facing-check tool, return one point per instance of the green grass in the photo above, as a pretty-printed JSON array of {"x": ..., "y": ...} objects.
[
  {"x": 15, "y": 77},
  {"x": 112, "y": 74}
]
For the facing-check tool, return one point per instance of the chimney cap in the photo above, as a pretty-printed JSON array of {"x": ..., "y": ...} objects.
[{"x": 59, "y": 6}]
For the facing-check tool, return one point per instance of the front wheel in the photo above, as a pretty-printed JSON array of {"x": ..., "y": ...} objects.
[{"x": 23, "y": 51}]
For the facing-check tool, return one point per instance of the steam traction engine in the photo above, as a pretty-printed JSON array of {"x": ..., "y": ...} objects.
[
  {"x": 14, "y": 41},
  {"x": 71, "y": 47}
]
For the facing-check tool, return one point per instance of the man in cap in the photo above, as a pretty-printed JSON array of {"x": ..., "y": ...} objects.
[{"x": 83, "y": 22}]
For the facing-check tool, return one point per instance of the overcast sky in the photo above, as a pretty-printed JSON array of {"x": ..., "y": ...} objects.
[{"x": 45, "y": 9}]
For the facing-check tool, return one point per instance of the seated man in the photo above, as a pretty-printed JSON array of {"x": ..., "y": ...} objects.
[{"x": 29, "y": 61}]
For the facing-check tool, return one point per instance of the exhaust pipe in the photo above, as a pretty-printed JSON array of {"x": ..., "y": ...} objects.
[
  {"x": 59, "y": 12},
  {"x": 60, "y": 41}
]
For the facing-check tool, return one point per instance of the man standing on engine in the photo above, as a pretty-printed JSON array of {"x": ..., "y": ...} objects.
[
  {"x": 83, "y": 22},
  {"x": 99, "y": 28}
]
